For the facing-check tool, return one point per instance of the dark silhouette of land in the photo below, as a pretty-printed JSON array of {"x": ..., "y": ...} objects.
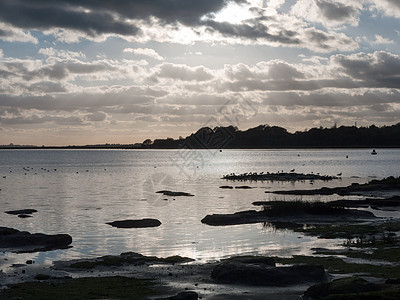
[{"x": 264, "y": 137}]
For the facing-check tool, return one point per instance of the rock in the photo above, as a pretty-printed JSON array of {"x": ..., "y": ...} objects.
[
  {"x": 351, "y": 286},
  {"x": 189, "y": 295},
  {"x": 392, "y": 281},
  {"x": 280, "y": 211},
  {"x": 143, "y": 223},
  {"x": 251, "y": 259},
  {"x": 283, "y": 176},
  {"x": 22, "y": 241},
  {"x": 42, "y": 277},
  {"x": 261, "y": 274},
  {"x": 243, "y": 217},
  {"x": 23, "y": 216},
  {"x": 174, "y": 194},
  {"x": 127, "y": 258},
  {"x": 21, "y": 212},
  {"x": 385, "y": 185}
]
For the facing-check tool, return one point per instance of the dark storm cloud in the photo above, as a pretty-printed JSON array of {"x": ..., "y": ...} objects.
[
  {"x": 121, "y": 100},
  {"x": 253, "y": 31},
  {"x": 379, "y": 69},
  {"x": 100, "y": 16},
  {"x": 336, "y": 11},
  {"x": 56, "y": 14}
]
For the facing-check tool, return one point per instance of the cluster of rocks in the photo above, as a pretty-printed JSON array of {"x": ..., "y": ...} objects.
[
  {"x": 280, "y": 176},
  {"x": 23, "y": 241},
  {"x": 262, "y": 271},
  {"x": 22, "y": 213}
]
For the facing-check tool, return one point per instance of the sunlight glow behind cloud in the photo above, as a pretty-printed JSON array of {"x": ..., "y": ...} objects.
[{"x": 133, "y": 71}]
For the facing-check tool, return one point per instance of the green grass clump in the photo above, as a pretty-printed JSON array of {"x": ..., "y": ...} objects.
[{"x": 83, "y": 288}]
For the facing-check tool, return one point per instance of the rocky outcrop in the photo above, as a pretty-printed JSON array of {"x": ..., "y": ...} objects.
[
  {"x": 23, "y": 241},
  {"x": 252, "y": 216},
  {"x": 262, "y": 273},
  {"x": 282, "y": 176},
  {"x": 128, "y": 258},
  {"x": 174, "y": 194},
  {"x": 22, "y": 213},
  {"x": 188, "y": 295},
  {"x": 243, "y": 217},
  {"x": 142, "y": 223},
  {"x": 388, "y": 184},
  {"x": 352, "y": 288}
]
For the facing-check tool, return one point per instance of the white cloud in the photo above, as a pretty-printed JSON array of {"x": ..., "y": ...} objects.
[
  {"x": 388, "y": 7},
  {"x": 9, "y": 33},
  {"x": 380, "y": 40},
  {"x": 144, "y": 52},
  {"x": 182, "y": 72},
  {"x": 327, "y": 12},
  {"x": 51, "y": 52}
]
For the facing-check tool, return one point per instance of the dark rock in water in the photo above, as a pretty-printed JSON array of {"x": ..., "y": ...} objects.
[
  {"x": 392, "y": 281},
  {"x": 128, "y": 258},
  {"x": 23, "y": 216},
  {"x": 296, "y": 215},
  {"x": 277, "y": 176},
  {"x": 387, "y": 184},
  {"x": 345, "y": 288},
  {"x": 226, "y": 187},
  {"x": 42, "y": 277},
  {"x": 260, "y": 274},
  {"x": 374, "y": 203},
  {"x": 189, "y": 295},
  {"x": 252, "y": 259},
  {"x": 175, "y": 194},
  {"x": 243, "y": 187},
  {"x": 21, "y": 212},
  {"x": 243, "y": 217},
  {"x": 143, "y": 223},
  {"x": 22, "y": 241}
]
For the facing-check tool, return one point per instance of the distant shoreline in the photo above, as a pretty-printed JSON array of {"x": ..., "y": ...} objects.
[
  {"x": 260, "y": 137},
  {"x": 128, "y": 147}
]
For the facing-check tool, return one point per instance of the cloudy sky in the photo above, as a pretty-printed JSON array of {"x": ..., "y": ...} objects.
[{"x": 98, "y": 71}]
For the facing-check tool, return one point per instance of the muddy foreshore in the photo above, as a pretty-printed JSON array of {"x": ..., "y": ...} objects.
[{"x": 366, "y": 263}]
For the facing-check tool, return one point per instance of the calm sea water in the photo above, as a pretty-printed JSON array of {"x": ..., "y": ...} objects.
[{"x": 78, "y": 191}]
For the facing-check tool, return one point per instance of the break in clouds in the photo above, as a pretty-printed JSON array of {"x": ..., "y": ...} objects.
[{"x": 170, "y": 67}]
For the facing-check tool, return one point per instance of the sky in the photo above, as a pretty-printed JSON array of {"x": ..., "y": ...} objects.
[{"x": 98, "y": 71}]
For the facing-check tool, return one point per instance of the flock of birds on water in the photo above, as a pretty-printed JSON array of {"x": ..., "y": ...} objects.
[
  {"x": 231, "y": 175},
  {"x": 28, "y": 169}
]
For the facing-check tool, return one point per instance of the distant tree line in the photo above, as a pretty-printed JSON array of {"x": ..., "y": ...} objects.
[
  {"x": 265, "y": 137},
  {"x": 261, "y": 137}
]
